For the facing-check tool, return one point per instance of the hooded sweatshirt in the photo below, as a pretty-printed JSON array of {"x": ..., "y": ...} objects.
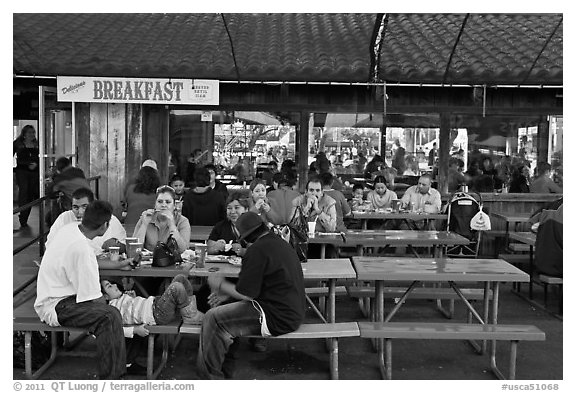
[{"x": 204, "y": 207}]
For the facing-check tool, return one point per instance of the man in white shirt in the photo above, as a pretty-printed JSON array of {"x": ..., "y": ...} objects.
[
  {"x": 115, "y": 234},
  {"x": 68, "y": 289},
  {"x": 422, "y": 198}
]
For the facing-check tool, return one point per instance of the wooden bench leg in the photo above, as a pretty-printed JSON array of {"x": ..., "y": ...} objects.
[{"x": 334, "y": 358}]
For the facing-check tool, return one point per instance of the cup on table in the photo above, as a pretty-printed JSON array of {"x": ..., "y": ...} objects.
[
  {"x": 201, "y": 250},
  {"x": 396, "y": 205},
  {"x": 133, "y": 248},
  {"x": 114, "y": 253},
  {"x": 128, "y": 241},
  {"x": 311, "y": 229}
]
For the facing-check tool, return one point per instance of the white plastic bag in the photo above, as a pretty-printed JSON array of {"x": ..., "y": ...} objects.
[{"x": 480, "y": 222}]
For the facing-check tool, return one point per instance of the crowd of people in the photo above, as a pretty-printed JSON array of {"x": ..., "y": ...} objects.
[{"x": 268, "y": 296}]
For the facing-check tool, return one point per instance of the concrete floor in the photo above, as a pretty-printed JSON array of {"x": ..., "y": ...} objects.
[{"x": 308, "y": 359}]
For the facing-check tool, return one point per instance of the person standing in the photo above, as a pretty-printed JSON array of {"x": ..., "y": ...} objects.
[
  {"x": 432, "y": 155},
  {"x": 68, "y": 289},
  {"x": 25, "y": 147},
  {"x": 398, "y": 161},
  {"x": 269, "y": 298}
]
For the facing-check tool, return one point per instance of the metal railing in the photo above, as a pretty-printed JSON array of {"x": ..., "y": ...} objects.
[{"x": 42, "y": 230}]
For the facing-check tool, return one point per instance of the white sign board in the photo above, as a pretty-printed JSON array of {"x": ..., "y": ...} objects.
[{"x": 138, "y": 90}]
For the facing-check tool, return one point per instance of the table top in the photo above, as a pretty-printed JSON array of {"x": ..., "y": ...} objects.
[
  {"x": 398, "y": 215},
  {"x": 437, "y": 269},
  {"x": 524, "y": 237},
  {"x": 512, "y": 217},
  {"x": 316, "y": 269},
  {"x": 369, "y": 237}
]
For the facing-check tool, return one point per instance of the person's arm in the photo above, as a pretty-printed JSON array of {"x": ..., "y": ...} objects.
[
  {"x": 181, "y": 233},
  {"x": 142, "y": 225},
  {"x": 220, "y": 286},
  {"x": 346, "y": 211},
  {"x": 406, "y": 197},
  {"x": 108, "y": 264},
  {"x": 437, "y": 201},
  {"x": 328, "y": 218}
]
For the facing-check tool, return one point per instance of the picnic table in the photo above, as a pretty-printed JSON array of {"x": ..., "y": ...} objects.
[
  {"x": 315, "y": 269},
  {"x": 365, "y": 216},
  {"x": 512, "y": 218},
  {"x": 393, "y": 238},
  {"x": 438, "y": 270},
  {"x": 528, "y": 238}
]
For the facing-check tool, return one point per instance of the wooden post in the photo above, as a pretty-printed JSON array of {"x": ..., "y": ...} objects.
[
  {"x": 444, "y": 153},
  {"x": 383, "y": 141},
  {"x": 133, "y": 141},
  {"x": 543, "y": 140},
  {"x": 302, "y": 137}
]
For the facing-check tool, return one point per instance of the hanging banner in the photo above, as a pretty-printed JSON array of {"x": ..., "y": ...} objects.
[{"x": 138, "y": 90}]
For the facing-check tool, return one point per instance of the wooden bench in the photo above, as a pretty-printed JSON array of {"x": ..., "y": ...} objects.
[
  {"x": 29, "y": 324},
  {"x": 449, "y": 331},
  {"x": 331, "y": 331},
  {"x": 549, "y": 280},
  {"x": 420, "y": 293},
  {"x": 519, "y": 247}
]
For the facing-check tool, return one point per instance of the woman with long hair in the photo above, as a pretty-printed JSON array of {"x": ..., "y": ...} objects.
[
  {"x": 141, "y": 195},
  {"x": 25, "y": 147}
]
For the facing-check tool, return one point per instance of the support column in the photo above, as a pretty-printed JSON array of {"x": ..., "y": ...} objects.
[
  {"x": 302, "y": 137},
  {"x": 382, "y": 147},
  {"x": 444, "y": 153},
  {"x": 543, "y": 140}
]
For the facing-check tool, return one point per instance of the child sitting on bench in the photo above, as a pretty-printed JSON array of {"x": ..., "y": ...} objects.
[{"x": 154, "y": 310}]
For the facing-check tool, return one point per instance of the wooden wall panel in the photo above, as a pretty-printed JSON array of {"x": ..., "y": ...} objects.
[
  {"x": 155, "y": 137},
  {"x": 116, "y": 153},
  {"x": 99, "y": 145},
  {"x": 134, "y": 142},
  {"x": 83, "y": 136}
]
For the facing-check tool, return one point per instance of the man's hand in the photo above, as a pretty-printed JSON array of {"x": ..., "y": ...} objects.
[
  {"x": 141, "y": 330},
  {"x": 214, "y": 300}
]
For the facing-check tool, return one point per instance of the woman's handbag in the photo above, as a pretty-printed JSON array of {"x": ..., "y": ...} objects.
[
  {"x": 295, "y": 233},
  {"x": 166, "y": 254}
]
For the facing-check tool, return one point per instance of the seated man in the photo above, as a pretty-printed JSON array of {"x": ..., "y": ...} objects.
[
  {"x": 422, "y": 198},
  {"x": 68, "y": 289},
  {"x": 115, "y": 234},
  {"x": 269, "y": 293}
]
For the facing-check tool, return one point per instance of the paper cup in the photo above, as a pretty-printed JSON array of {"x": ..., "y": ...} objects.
[
  {"x": 311, "y": 228},
  {"x": 127, "y": 242},
  {"x": 201, "y": 250},
  {"x": 133, "y": 248},
  {"x": 114, "y": 253}
]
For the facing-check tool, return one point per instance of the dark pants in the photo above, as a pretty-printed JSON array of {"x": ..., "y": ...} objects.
[
  {"x": 175, "y": 297},
  {"x": 27, "y": 191},
  {"x": 104, "y": 322}
]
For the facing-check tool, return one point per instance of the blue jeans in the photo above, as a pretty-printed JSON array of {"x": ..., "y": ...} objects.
[
  {"x": 220, "y": 326},
  {"x": 175, "y": 297},
  {"x": 104, "y": 322}
]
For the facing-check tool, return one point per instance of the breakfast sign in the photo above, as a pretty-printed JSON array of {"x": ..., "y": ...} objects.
[{"x": 138, "y": 90}]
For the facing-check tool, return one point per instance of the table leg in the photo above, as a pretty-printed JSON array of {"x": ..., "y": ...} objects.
[
  {"x": 323, "y": 251},
  {"x": 493, "y": 365},
  {"x": 530, "y": 272},
  {"x": 364, "y": 223},
  {"x": 331, "y": 312}
]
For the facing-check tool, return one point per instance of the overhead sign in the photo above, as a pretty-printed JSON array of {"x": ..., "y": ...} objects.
[{"x": 138, "y": 90}]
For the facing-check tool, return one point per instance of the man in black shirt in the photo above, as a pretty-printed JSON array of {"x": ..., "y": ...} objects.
[{"x": 269, "y": 293}]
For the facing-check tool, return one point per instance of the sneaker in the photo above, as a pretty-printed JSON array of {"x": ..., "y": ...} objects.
[{"x": 190, "y": 314}]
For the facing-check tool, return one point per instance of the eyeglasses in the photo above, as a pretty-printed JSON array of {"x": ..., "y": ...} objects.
[{"x": 164, "y": 188}]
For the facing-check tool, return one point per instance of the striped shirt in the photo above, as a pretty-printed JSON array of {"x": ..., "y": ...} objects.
[{"x": 134, "y": 310}]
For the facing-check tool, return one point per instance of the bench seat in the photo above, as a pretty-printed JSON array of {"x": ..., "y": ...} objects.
[
  {"x": 550, "y": 280},
  {"x": 331, "y": 331},
  {"x": 420, "y": 293},
  {"x": 449, "y": 331},
  {"x": 29, "y": 324}
]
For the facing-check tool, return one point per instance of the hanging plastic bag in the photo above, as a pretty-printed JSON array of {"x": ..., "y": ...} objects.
[{"x": 480, "y": 222}]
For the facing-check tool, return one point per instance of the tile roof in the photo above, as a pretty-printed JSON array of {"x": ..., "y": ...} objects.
[{"x": 493, "y": 49}]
